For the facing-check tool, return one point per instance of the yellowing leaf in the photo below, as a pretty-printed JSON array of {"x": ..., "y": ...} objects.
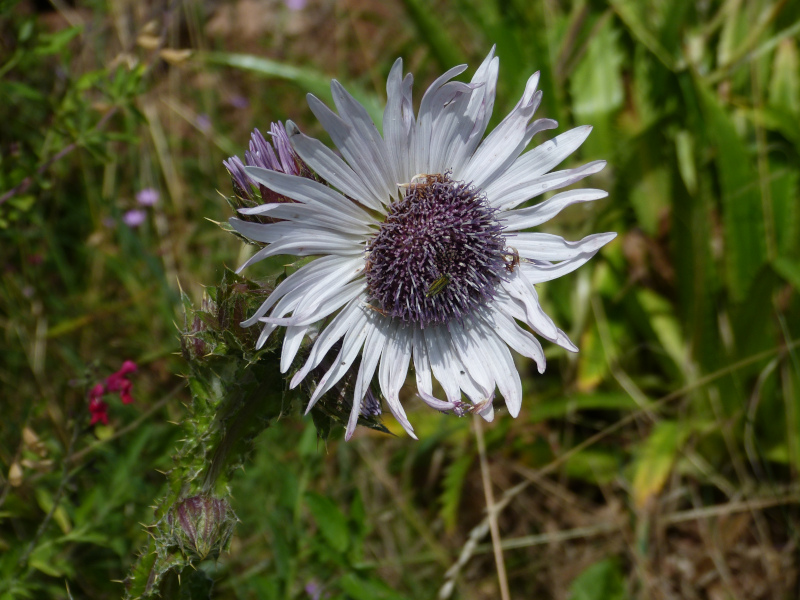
[{"x": 656, "y": 461}]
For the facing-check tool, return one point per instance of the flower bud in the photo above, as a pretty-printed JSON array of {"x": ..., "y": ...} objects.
[{"x": 201, "y": 525}]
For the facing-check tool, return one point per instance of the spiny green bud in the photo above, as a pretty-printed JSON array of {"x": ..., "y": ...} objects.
[{"x": 202, "y": 525}]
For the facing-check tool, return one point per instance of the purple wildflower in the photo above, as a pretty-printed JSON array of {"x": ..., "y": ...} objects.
[
  {"x": 313, "y": 589},
  {"x": 239, "y": 101},
  {"x": 276, "y": 156},
  {"x": 134, "y": 218},
  {"x": 147, "y": 197}
]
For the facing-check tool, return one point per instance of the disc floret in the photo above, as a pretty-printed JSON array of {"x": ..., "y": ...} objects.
[{"x": 438, "y": 255}]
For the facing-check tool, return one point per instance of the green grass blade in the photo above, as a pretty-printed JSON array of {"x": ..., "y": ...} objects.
[{"x": 308, "y": 79}]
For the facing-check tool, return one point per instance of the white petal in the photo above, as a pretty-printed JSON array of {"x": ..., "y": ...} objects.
[
  {"x": 337, "y": 268},
  {"x": 449, "y": 128},
  {"x": 487, "y": 412},
  {"x": 356, "y": 116},
  {"x": 422, "y": 366},
  {"x": 501, "y": 364},
  {"x": 520, "y": 288},
  {"x": 565, "y": 342},
  {"x": 354, "y": 148},
  {"x": 311, "y": 309},
  {"x": 315, "y": 216},
  {"x": 398, "y": 122},
  {"x": 420, "y": 158},
  {"x": 523, "y": 218},
  {"x": 291, "y": 344},
  {"x": 480, "y": 108},
  {"x": 467, "y": 341},
  {"x": 537, "y": 273},
  {"x": 264, "y": 335},
  {"x": 331, "y": 168},
  {"x": 542, "y": 158},
  {"x": 525, "y": 188},
  {"x": 440, "y": 353},
  {"x": 392, "y": 373},
  {"x": 546, "y": 246},
  {"x": 503, "y": 142},
  {"x": 307, "y": 191},
  {"x": 308, "y": 242},
  {"x": 310, "y": 296},
  {"x": 422, "y": 370},
  {"x": 520, "y": 340},
  {"x": 350, "y": 317},
  {"x": 351, "y": 346},
  {"x": 270, "y": 233},
  {"x": 370, "y": 357}
]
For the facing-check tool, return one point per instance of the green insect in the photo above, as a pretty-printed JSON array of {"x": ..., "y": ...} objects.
[{"x": 437, "y": 287}]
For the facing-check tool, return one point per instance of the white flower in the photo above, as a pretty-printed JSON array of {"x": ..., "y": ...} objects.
[{"x": 421, "y": 246}]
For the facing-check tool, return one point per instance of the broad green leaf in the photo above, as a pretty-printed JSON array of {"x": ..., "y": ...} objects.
[
  {"x": 684, "y": 149},
  {"x": 629, "y": 12},
  {"x": 60, "y": 516},
  {"x": 789, "y": 270},
  {"x": 665, "y": 325},
  {"x": 307, "y": 79},
  {"x": 784, "y": 86},
  {"x": 650, "y": 197},
  {"x": 734, "y": 31},
  {"x": 596, "y": 87},
  {"x": 602, "y": 581},
  {"x": 785, "y": 211},
  {"x": 53, "y": 43},
  {"x": 656, "y": 460},
  {"x": 564, "y": 406},
  {"x": 46, "y": 567},
  {"x": 592, "y": 363},
  {"x": 594, "y": 465},
  {"x": 330, "y": 520},
  {"x": 742, "y": 210}
]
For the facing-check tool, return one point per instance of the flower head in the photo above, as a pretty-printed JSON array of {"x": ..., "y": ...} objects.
[
  {"x": 423, "y": 252},
  {"x": 116, "y": 382},
  {"x": 98, "y": 410},
  {"x": 134, "y": 218},
  {"x": 276, "y": 156},
  {"x": 147, "y": 197}
]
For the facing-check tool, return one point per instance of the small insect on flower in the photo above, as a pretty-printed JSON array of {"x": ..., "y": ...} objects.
[
  {"x": 437, "y": 286},
  {"x": 512, "y": 259},
  {"x": 422, "y": 180},
  {"x": 380, "y": 311}
]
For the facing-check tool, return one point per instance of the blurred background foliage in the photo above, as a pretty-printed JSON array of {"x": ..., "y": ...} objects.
[{"x": 660, "y": 462}]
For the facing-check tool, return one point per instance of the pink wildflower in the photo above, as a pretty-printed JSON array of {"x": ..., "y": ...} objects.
[
  {"x": 116, "y": 382},
  {"x": 99, "y": 410}
]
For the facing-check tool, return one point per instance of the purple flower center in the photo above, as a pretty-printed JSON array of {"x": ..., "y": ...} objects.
[{"x": 438, "y": 255}]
